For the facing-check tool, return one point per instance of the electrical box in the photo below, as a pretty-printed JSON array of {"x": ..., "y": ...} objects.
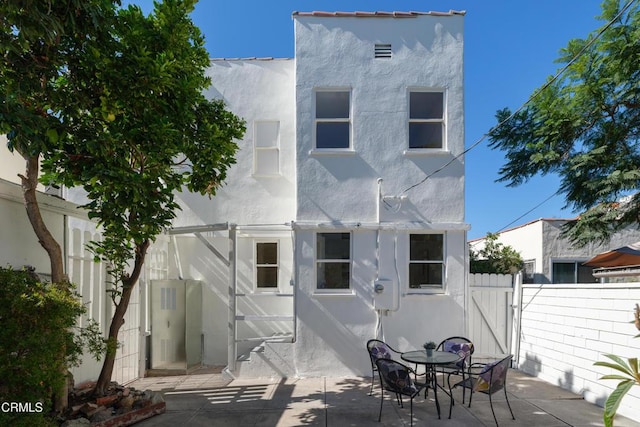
[{"x": 385, "y": 295}]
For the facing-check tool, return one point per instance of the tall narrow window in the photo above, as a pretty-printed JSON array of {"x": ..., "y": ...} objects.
[
  {"x": 266, "y": 148},
  {"x": 333, "y": 123},
  {"x": 333, "y": 260},
  {"x": 426, "y": 261},
  {"x": 267, "y": 265},
  {"x": 426, "y": 120}
]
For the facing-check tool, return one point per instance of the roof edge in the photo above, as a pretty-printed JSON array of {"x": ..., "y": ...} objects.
[{"x": 377, "y": 14}]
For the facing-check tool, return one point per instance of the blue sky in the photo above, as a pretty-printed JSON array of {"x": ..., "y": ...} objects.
[{"x": 510, "y": 50}]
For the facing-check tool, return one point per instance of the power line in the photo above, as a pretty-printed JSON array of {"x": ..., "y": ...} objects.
[
  {"x": 531, "y": 98},
  {"x": 528, "y": 212}
]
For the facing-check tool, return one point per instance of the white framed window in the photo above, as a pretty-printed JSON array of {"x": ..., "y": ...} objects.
[
  {"x": 426, "y": 262},
  {"x": 267, "y": 265},
  {"x": 571, "y": 271},
  {"x": 333, "y": 261},
  {"x": 332, "y": 119},
  {"x": 266, "y": 148},
  {"x": 426, "y": 119}
]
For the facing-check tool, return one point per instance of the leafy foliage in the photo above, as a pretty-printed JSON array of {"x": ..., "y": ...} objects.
[
  {"x": 495, "y": 257},
  {"x": 630, "y": 377},
  {"x": 585, "y": 127},
  {"x": 38, "y": 319},
  {"x": 112, "y": 100}
]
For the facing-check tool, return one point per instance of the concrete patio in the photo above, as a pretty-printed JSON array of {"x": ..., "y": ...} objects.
[{"x": 207, "y": 398}]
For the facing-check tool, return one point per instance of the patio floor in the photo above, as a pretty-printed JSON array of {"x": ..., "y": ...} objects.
[{"x": 205, "y": 398}]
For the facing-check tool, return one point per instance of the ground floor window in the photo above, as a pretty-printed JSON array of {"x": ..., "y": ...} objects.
[
  {"x": 267, "y": 265},
  {"x": 569, "y": 271},
  {"x": 426, "y": 261},
  {"x": 333, "y": 260}
]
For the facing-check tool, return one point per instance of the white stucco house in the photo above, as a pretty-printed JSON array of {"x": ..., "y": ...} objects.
[
  {"x": 551, "y": 258},
  {"x": 332, "y": 227},
  {"x": 319, "y": 210}
]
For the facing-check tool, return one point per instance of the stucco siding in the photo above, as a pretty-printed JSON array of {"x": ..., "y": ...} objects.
[{"x": 339, "y": 53}]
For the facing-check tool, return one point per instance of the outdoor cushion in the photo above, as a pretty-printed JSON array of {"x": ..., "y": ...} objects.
[
  {"x": 485, "y": 378},
  {"x": 462, "y": 349},
  {"x": 398, "y": 378}
]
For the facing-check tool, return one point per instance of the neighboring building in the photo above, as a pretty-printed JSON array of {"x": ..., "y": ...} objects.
[
  {"x": 551, "y": 258},
  {"x": 315, "y": 211}
]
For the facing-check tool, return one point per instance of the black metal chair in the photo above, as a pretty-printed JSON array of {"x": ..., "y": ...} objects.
[
  {"x": 488, "y": 379},
  {"x": 396, "y": 378},
  {"x": 464, "y": 348},
  {"x": 379, "y": 350}
]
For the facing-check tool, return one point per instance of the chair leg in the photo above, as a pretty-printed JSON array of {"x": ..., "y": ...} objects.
[
  {"x": 372, "y": 381},
  {"x": 492, "y": 411},
  {"x": 381, "y": 401},
  {"x": 411, "y": 411},
  {"x": 508, "y": 404}
]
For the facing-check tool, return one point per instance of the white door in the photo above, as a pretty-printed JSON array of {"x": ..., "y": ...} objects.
[{"x": 168, "y": 324}]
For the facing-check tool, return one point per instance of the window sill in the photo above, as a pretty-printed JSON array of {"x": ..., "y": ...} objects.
[
  {"x": 332, "y": 152},
  {"x": 265, "y": 175},
  {"x": 425, "y": 152},
  {"x": 425, "y": 292},
  {"x": 334, "y": 293}
]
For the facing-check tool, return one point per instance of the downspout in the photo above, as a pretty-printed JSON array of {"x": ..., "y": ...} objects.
[
  {"x": 379, "y": 332},
  {"x": 232, "y": 351}
]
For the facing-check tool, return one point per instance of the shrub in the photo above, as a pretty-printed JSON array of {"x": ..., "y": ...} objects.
[{"x": 38, "y": 322}]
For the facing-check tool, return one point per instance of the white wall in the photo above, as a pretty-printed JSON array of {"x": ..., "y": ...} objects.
[
  {"x": 339, "y": 191},
  {"x": 254, "y": 90},
  {"x": 339, "y": 53},
  {"x": 566, "y": 328}
]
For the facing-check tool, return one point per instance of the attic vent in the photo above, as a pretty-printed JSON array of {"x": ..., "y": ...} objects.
[{"x": 383, "y": 51}]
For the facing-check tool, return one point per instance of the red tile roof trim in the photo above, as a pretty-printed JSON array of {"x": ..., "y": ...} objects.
[{"x": 378, "y": 14}]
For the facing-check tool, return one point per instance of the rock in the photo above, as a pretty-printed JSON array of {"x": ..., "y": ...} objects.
[
  {"x": 103, "y": 415},
  {"x": 156, "y": 398},
  {"x": 127, "y": 402},
  {"x": 126, "y": 391}
]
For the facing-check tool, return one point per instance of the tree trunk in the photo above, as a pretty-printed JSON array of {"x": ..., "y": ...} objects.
[
  {"x": 45, "y": 238},
  {"x": 49, "y": 243},
  {"x": 128, "y": 284}
]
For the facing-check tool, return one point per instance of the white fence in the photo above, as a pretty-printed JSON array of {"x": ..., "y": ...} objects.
[{"x": 566, "y": 328}]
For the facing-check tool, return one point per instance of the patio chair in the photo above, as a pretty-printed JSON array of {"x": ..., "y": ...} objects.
[
  {"x": 464, "y": 348},
  {"x": 488, "y": 379},
  {"x": 396, "y": 378},
  {"x": 379, "y": 350}
]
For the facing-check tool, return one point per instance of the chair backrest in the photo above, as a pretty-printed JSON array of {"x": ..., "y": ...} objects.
[
  {"x": 378, "y": 350},
  {"x": 493, "y": 376},
  {"x": 461, "y": 346},
  {"x": 396, "y": 377}
]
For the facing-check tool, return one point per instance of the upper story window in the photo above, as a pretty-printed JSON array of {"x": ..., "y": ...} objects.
[
  {"x": 267, "y": 265},
  {"x": 333, "y": 121},
  {"x": 571, "y": 271},
  {"x": 266, "y": 148},
  {"x": 426, "y": 119},
  {"x": 426, "y": 261},
  {"x": 333, "y": 261}
]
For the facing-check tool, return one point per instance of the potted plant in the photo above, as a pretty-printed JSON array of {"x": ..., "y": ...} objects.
[{"x": 429, "y": 346}]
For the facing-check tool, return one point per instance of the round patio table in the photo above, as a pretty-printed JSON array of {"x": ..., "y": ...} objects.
[{"x": 438, "y": 358}]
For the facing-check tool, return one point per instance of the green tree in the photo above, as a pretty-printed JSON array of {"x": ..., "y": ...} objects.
[
  {"x": 495, "y": 257},
  {"x": 120, "y": 112},
  {"x": 148, "y": 133},
  {"x": 584, "y": 126},
  {"x": 37, "y": 41}
]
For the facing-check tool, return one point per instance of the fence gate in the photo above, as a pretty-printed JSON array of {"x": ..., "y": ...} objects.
[{"x": 491, "y": 314}]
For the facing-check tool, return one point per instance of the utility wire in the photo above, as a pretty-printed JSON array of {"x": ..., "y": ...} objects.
[
  {"x": 528, "y": 212},
  {"x": 531, "y": 98}
]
